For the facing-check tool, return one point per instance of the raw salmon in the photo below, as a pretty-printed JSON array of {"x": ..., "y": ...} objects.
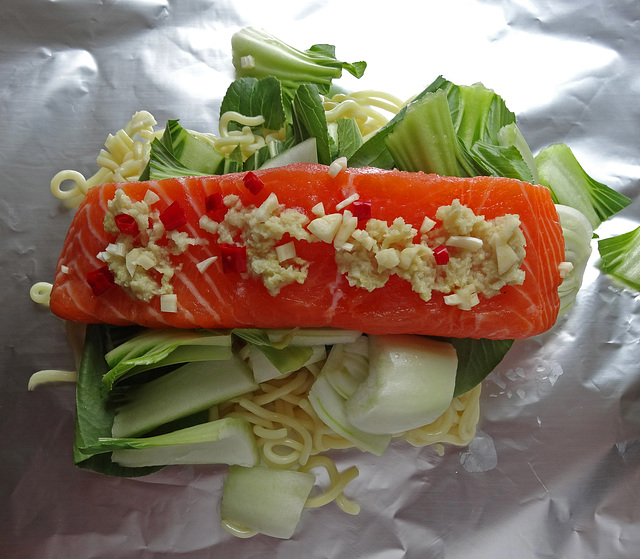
[{"x": 214, "y": 299}]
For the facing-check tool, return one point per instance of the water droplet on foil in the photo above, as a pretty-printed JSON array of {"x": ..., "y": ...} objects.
[{"x": 481, "y": 455}]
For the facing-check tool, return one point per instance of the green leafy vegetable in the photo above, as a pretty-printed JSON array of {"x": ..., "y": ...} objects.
[
  {"x": 265, "y": 500},
  {"x": 425, "y": 139},
  {"x": 621, "y": 257},
  {"x": 181, "y": 153},
  {"x": 285, "y": 359},
  {"x": 510, "y": 135},
  {"x": 156, "y": 346},
  {"x": 374, "y": 152},
  {"x": 190, "y": 150},
  {"x": 94, "y": 414},
  {"x": 309, "y": 121},
  {"x": 258, "y": 54},
  {"x": 254, "y": 98},
  {"x": 476, "y": 359},
  {"x": 191, "y": 388},
  {"x": 224, "y": 441},
  {"x": 455, "y": 131},
  {"x": 346, "y": 137},
  {"x": 572, "y": 186}
]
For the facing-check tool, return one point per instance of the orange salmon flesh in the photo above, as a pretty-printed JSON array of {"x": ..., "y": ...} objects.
[{"x": 214, "y": 299}]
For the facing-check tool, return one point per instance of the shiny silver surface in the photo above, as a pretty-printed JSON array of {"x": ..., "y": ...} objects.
[{"x": 555, "y": 468}]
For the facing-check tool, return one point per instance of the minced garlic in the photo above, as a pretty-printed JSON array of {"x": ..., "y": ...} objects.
[
  {"x": 480, "y": 255},
  {"x": 136, "y": 268},
  {"x": 260, "y": 229}
]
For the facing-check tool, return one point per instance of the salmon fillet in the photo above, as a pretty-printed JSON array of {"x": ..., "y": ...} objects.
[{"x": 215, "y": 299}]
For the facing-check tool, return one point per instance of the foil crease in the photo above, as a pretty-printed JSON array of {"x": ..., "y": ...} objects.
[{"x": 554, "y": 470}]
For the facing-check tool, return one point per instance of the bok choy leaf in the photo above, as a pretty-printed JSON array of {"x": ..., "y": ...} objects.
[{"x": 94, "y": 414}]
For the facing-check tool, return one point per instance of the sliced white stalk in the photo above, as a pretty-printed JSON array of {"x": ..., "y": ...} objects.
[
  {"x": 578, "y": 235},
  {"x": 330, "y": 408},
  {"x": 312, "y": 336},
  {"x": 427, "y": 225},
  {"x": 347, "y": 366},
  {"x": 190, "y": 388},
  {"x": 326, "y": 227},
  {"x": 224, "y": 441},
  {"x": 304, "y": 152},
  {"x": 265, "y": 500},
  {"x": 467, "y": 243},
  {"x": 348, "y": 225},
  {"x": 347, "y": 201},
  {"x": 169, "y": 302},
  {"x": 318, "y": 209},
  {"x": 286, "y": 251},
  {"x": 51, "y": 376},
  {"x": 264, "y": 370},
  {"x": 410, "y": 384}
]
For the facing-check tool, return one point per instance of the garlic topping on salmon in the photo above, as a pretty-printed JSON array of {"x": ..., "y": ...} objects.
[
  {"x": 371, "y": 250},
  {"x": 484, "y": 256}
]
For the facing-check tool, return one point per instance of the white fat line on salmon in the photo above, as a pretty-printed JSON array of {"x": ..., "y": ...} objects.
[
  {"x": 185, "y": 312},
  {"x": 66, "y": 288},
  {"x": 78, "y": 248},
  {"x": 157, "y": 315},
  {"x": 99, "y": 235},
  {"x": 195, "y": 292},
  {"x": 71, "y": 234},
  {"x": 336, "y": 294},
  {"x": 182, "y": 277}
]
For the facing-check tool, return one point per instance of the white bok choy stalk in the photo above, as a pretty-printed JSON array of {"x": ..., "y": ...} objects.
[
  {"x": 410, "y": 383},
  {"x": 225, "y": 441}
]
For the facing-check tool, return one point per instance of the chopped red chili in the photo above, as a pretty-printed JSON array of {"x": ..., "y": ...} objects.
[
  {"x": 361, "y": 209},
  {"x": 173, "y": 217},
  {"x": 214, "y": 202},
  {"x": 126, "y": 224},
  {"x": 252, "y": 183},
  {"x": 100, "y": 280},
  {"x": 233, "y": 257},
  {"x": 441, "y": 255}
]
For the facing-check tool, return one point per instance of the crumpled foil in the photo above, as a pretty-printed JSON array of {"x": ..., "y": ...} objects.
[{"x": 554, "y": 470}]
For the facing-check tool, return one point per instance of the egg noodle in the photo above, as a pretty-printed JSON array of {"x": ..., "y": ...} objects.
[
  {"x": 126, "y": 152},
  {"x": 125, "y": 157},
  {"x": 290, "y": 435}
]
